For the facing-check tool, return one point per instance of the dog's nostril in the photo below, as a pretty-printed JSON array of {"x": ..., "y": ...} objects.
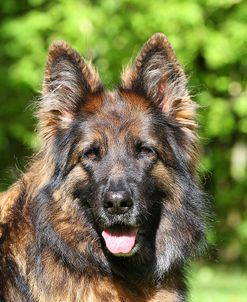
[
  {"x": 108, "y": 205},
  {"x": 123, "y": 204},
  {"x": 126, "y": 203},
  {"x": 117, "y": 202}
]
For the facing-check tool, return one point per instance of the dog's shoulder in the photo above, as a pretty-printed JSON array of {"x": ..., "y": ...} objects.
[{"x": 8, "y": 200}]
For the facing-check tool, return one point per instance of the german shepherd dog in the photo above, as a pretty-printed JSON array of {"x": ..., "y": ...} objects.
[{"x": 109, "y": 209}]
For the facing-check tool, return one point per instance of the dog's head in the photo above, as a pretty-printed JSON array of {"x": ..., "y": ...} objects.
[{"x": 123, "y": 162}]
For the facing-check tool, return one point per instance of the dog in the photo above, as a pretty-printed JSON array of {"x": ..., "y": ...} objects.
[{"x": 110, "y": 208}]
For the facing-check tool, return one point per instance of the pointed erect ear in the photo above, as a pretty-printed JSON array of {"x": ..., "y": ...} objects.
[
  {"x": 68, "y": 82},
  {"x": 156, "y": 72}
]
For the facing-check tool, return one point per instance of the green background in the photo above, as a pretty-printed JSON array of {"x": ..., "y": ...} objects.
[{"x": 210, "y": 39}]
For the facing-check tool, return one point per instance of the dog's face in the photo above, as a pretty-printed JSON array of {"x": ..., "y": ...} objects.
[
  {"x": 125, "y": 160},
  {"x": 121, "y": 152}
]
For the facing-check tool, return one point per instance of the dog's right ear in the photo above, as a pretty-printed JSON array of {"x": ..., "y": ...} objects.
[
  {"x": 68, "y": 82},
  {"x": 157, "y": 74}
]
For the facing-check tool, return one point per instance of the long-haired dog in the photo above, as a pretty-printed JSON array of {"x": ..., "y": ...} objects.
[{"x": 110, "y": 209}]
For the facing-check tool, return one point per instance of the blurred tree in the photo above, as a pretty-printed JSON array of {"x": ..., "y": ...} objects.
[{"x": 210, "y": 40}]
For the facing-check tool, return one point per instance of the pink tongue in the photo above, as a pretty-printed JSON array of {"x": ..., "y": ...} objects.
[{"x": 120, "y": 242}]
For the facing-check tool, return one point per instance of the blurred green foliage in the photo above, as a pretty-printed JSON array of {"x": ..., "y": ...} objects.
[
  {"x": 210, "y": 40},
  {"x": 227, "y": 286}
]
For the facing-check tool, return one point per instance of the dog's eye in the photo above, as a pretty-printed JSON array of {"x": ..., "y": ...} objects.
[
  {"x": 144, "y": 151},
  {"x": 92, "y": 154}
]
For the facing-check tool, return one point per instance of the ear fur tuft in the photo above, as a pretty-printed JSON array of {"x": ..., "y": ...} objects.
[
  {"x": 157, "y": 72},
  {"x": 68, "y": 82},
  {"x": 60, "y": 49}
]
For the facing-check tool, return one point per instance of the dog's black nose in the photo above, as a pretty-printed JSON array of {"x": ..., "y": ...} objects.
[{"x": 117, "y": 202}]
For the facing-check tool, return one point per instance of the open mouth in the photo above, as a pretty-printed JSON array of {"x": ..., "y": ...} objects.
[{"x": 120, "y": 240}]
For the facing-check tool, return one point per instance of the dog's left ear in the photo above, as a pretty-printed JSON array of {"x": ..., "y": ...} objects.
[{"x": 156, "y": 72}]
